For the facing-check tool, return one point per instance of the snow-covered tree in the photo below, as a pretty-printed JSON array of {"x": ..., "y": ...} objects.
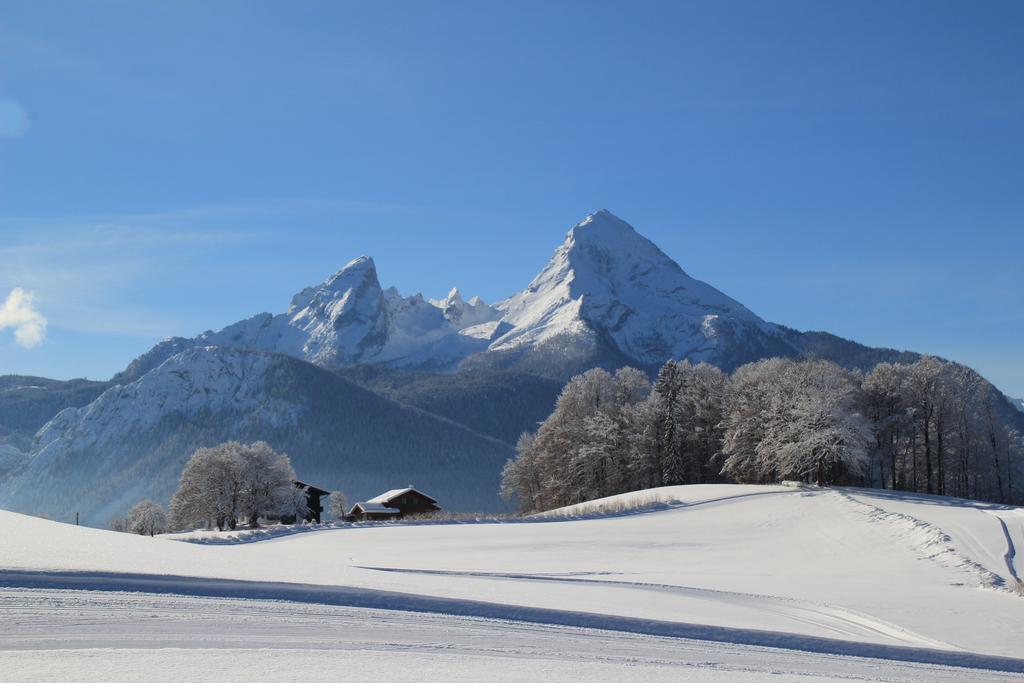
[
  {"x": 268, "y": 484},
  {"x": 820, "y": 434},
  {"x": 753, "y": 399},
  {"x": 146, "y": 518},
  {"x": 930, "y": 425},
  {"x": 339, "y": 504},
  {"x": 222, "y": 484}
]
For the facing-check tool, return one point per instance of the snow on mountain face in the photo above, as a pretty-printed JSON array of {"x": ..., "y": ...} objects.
[
  {"x": 607, "y": 282},
  {"x": 350, "y": 319},
  {"x": 463, "y": 314},
  {"x": 1018, "y": 403},
  {"x": 199, "y": 379},
  {"x": 607, "y": 296},
  {"x": 10, "y": 459}
]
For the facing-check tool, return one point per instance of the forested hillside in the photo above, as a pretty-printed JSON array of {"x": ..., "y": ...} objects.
[{"x": 27, "y": 403}]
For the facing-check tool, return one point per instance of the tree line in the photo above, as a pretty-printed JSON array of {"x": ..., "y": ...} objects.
[{"x": 929, "y": 426}]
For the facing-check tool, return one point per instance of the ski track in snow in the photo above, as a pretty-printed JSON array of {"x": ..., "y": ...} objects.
[
  {"x": 1011, "y": 550},
  {"x": 91, "y": 635},
  {"x": 839, "y": 620},
  {"x": 138, "y": 626},
  {"x": 342, "y": 596},
  {"x": 931, "y": 542}
]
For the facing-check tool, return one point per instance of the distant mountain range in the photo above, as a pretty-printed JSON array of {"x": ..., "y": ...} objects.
[
  {"x": 367, "y": 388},
  {"x": 608, "y": 296}
]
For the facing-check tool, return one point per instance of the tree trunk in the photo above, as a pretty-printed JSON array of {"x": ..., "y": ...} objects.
[{"x": 928, "y": 452}]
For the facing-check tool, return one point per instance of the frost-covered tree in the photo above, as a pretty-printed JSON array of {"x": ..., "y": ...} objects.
[
  {"x": 339, "y": 504},
  {"x": 753, "y": 399},
  {"x": 146, "y": 518},
  {"x": 268, "y": 484},
  {"x": 580, "y": 451},
  {"x": 220, "y": 485},
  {"x": 929, "y": 426},
  {"x": 819, "y": 432}
]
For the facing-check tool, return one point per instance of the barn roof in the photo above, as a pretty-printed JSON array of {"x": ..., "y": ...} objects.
[
  {"x": 377, "y": 508},
  {"x": 388, "y": 496},
  {"x": 310, "y": 488}
]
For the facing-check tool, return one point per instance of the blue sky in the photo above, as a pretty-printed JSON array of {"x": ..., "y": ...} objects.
[{"x": 166, "y": 168}]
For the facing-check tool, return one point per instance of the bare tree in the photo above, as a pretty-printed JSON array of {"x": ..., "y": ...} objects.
[
  {"x": 147, "y": 518},
  {"x": 339, "y": 504}
]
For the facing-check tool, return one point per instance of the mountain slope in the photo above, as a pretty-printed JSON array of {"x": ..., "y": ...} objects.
[
  {"x": 27, "y": 403},
  {"x": 608, "y": 284},
  {"x": 350, "y": 319},
  {"x": 499, "y": 403},
  {"x": 132, "y": 442}
]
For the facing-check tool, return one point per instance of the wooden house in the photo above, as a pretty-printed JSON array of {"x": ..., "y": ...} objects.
[{"x": 393, "y": 504}]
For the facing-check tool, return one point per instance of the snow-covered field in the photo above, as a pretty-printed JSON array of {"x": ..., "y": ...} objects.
[{"x": 701, "y": 582}]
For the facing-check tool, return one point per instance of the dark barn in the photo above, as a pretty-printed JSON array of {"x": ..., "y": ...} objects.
[
  {"x": 394, "y": 504},
  {"x": 313, "y": 496}
]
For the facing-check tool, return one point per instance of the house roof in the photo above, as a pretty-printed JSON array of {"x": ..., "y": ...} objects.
[
  {"x": 375, "y": 508},
  {"x": 388, "y": 496},
  {"x": 310, "y": 488}
]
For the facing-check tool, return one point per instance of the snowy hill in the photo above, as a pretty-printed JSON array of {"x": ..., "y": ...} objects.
[
  {"x": 1018, "y": 403},
  {"x": 132, "y": 441},
  {"x": 725, "y": 582}
]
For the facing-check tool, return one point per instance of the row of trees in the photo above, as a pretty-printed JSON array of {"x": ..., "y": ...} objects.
[{"x": 930, "y": 426}]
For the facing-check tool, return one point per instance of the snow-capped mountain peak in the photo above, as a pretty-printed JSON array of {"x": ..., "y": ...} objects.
[
  {"x": 607, "y": 295},
  {"x": 349, "y": 319},
  {"x": 607, "y": 284},
  {"x": 358, "y": 274},
  {"x": 462, "y": 314}
]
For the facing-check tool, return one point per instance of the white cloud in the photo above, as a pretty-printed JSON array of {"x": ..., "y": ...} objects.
[{"x": 18, "y": 311}]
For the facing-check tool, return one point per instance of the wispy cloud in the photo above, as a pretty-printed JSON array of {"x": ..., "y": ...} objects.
[
  {"x": 14, "y": 120},
  {"x": 19, "y": 312},
  {"x": 126, "y": 274}
]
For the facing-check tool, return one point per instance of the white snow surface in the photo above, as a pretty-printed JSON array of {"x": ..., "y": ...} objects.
[
  {"x": 706, "y": 581},
  {"x": 1018, "y": 403}
]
